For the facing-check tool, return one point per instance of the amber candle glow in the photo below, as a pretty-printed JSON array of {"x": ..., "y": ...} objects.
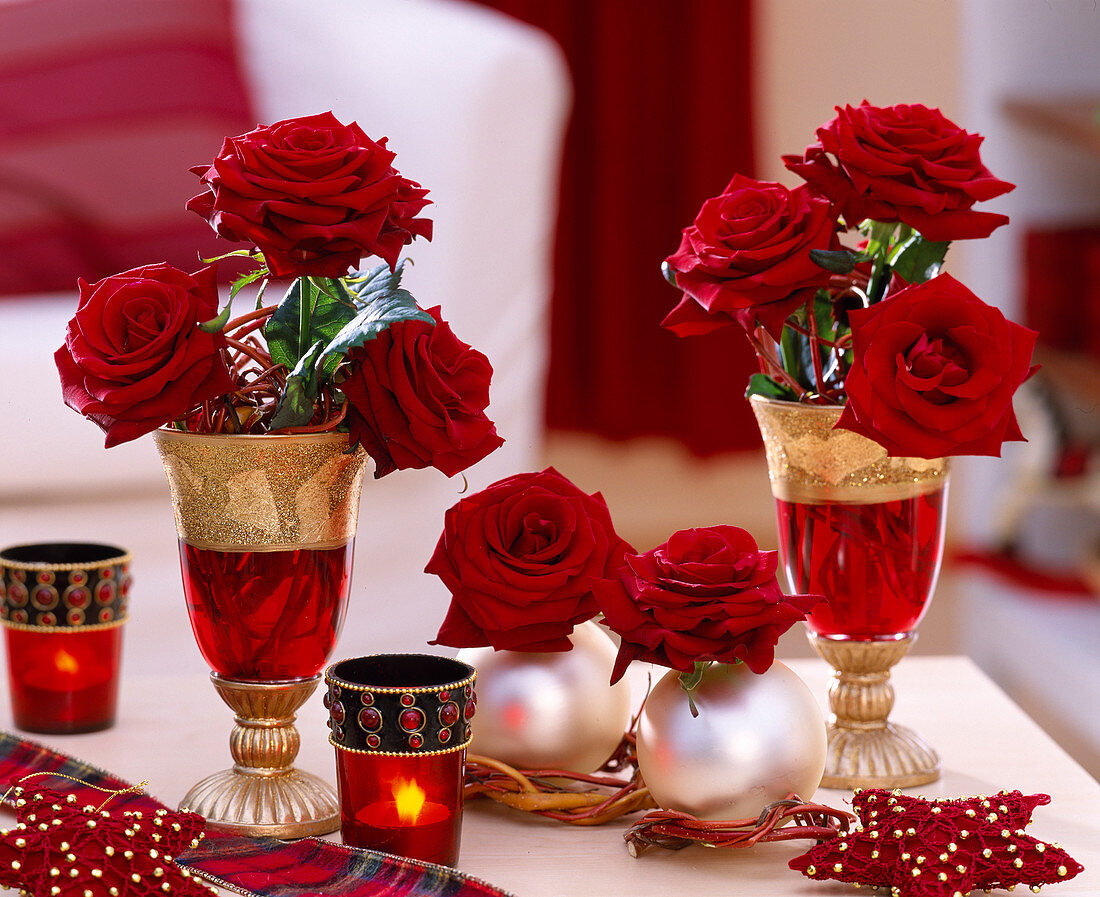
[{"x": 400, "y": 726}]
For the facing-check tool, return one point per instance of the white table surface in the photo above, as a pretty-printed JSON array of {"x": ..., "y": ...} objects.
[{"x": 174, "y": 730}]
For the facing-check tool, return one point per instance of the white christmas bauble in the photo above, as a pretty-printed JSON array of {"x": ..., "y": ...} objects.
[
  {"x": 552, "y": 710},
  {"x": 757, "y": 738}
]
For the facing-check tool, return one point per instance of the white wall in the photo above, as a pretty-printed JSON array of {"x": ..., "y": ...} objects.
[
  {"x": 966, "y": 57},
  {"x": 1035, "y": 50},
  {"x": 813, "y": 55}
]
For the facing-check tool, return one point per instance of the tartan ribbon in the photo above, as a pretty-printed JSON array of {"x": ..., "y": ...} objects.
[{"x": 256, "y": 867}]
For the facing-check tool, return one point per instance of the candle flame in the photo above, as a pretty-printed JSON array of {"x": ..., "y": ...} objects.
[
  {"x": 409, "y": 798},
  {"x": 65, "y": 662}
]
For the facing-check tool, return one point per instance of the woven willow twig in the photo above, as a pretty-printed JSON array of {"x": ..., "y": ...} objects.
[
  {"x": 553, "y": 793},
  {"x": 674, "y": 830}
]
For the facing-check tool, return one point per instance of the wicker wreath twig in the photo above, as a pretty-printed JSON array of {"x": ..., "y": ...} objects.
[
  {"x": 784, "y": 820},
  {"x": 554, "y": 793}
]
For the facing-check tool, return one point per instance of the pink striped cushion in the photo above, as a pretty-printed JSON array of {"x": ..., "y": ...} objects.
[{"x": 104, "y": 105}]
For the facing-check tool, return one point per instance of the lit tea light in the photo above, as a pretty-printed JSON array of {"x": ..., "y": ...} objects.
[
  {"x": 409, "y": 809},
  {"x": 66, "y": 663},
  {"x": 409, "y": 798}
]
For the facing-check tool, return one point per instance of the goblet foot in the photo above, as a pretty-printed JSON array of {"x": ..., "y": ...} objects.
[
  {"x": 263, "y": 794},
  {"x": 865, "y": 750},
  {"x": 887, "y": 757},
  {"x": 288, "y": 805}
]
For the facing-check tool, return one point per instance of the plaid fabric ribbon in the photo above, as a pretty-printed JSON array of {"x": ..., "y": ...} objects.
[{"x": 257, "y": 867}]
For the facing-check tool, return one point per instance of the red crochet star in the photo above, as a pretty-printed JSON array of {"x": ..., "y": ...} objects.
[
  {"x": 940, "y": 848},
  {"x": 58, "y": 849}
]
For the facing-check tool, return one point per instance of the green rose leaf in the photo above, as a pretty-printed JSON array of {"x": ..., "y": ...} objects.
[
  {"x": 313, "y": 310},
  {"x": 215, "y": 325},
  {"x": 244, "y": 280},
  {"x": 763, "y": 385},
  {"x": 838, "y": 261},
  {"x": 690, "y": 679},
  {"x": 794, "y": 356},
  {"x": 380, "y": 302},
  {"x": 920, "y": 259},
  {"x": 377, "y": 280},
  {"x": 296, "y": 406}
]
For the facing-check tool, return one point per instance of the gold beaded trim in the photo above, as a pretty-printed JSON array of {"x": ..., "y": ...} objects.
[
  {"x": 390, "y": 690},
  {"x": 80, "y": 627},
  {"x": 394, "y": 690},
  {"x": 450, "y": 750},
  {"x": 47, "y": 567}
]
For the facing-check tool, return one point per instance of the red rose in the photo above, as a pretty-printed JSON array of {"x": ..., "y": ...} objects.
[
  {"x": 706, "y": 594},
  {"x": 314, "y": 195},
  {"x": 903, "y": 163},
  {"x": 134, "y": 358},
  {"x": 933, "y": 372},
  {"x": 747, "y": 257},
  {"x": 418, "y": 396},
  {"x": 519, "y": 559}
]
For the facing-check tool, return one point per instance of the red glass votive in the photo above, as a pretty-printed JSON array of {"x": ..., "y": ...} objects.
[
  {"x": 63, "y": 606},
  {"x": 400, "y": 724}
]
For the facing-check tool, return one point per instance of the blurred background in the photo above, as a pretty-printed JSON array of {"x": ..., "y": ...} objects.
[{"x": 565, "y": 145}]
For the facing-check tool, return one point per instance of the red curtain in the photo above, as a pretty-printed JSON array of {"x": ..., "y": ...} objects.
[{"x": 662, "y": 120}]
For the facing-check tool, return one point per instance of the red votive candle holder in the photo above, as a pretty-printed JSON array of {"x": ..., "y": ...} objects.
[
  {"x": 63, "y": 606},
  {"x": 400, "y": 724}
]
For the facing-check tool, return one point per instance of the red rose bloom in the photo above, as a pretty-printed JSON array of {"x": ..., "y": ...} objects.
[
  {"x": 747, "y": 257},
  {"x": 134, "y": 358},
  {"x": 902, "y": 163},
  {"x": 933, "y": 373},
  {"x": 519, "y": 559},
  {"x": 706, "y": 594},
  {"x": 418, "y": 396},
  {"x": 314, "y": 195}
]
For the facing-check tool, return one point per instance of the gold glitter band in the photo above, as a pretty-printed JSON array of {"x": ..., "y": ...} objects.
[
  {"x": 262, "y": 493},
  {"x": 227, "y": 547},
  {"x": 811, "y": 463}
]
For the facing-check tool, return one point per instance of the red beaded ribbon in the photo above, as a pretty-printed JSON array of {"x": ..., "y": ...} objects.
[{"x": 255, "y": 867}]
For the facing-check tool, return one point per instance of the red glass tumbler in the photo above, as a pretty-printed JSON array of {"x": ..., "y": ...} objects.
[
  {"x": 63, "y": 608},
  {"x": 400, "y": 724}
]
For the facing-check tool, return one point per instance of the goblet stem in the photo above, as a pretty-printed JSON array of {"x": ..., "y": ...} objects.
[
  {"x": 263, "y": 794},
  {"x": 866, "y": 750}
]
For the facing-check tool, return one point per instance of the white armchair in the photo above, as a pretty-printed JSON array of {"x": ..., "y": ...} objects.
[{"x": 474, "y": 105}]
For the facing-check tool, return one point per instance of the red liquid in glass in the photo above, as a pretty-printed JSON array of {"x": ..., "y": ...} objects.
[
  {"x": 376, "y": 812},
  {"x": 64, "y": 682},
  {"x": 266, "y": 615},
  {"x": 876, "y": 564}
]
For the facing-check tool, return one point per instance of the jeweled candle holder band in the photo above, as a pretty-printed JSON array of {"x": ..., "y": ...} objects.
[
  {"x": 400, "y": 724},
  {"x": 866, "y": 531},
  {"x": 400, "y": 720},
  {"x": 63, "y": 606},
  {"x": 89, "y": 589}
]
